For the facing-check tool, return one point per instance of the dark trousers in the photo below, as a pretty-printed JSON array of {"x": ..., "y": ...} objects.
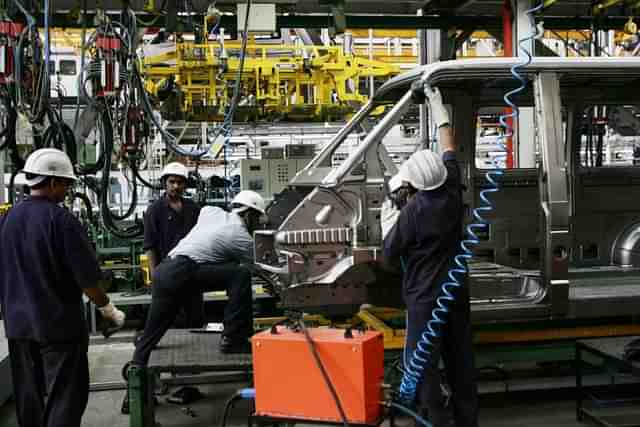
[
  {"x": 455, "y": 348},
  {"x": 178, "y": 279},
  {"x": 50, "y": 383},
  {"x": 191, "y": 314}
]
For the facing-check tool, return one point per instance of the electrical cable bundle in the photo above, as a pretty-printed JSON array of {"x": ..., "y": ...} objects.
[
  {"x": 224, "y": 129},
  {"x": 33, "y": 103},
  {"x": 108, "y": 217}
]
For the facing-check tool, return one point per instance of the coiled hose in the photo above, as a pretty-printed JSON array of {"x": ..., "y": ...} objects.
[{"x": 414, "y": 369}]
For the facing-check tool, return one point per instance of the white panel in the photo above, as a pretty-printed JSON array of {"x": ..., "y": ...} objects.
[
  {"x": 281, "y": 171},
  {"x": 262, "y": 17},
  {"x": 254, "y": 175}
]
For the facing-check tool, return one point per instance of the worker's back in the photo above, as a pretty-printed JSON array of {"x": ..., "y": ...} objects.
[
  {"x": 217, "y": 237},
  {"x": 45, "y": 260},
  {"x": 429, "y": 230}
]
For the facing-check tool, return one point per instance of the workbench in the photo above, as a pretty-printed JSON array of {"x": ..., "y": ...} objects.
[
  {"x": 606, "y": 354},
  {"x": 124, "y": 299},
  {"x": 179, "y": 352}
]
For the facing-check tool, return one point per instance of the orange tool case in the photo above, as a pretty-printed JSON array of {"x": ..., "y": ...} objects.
[{"x": 289, "y": 383}]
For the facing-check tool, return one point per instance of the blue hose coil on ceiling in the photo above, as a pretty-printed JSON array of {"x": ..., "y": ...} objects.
[{"x": 414, "y": 369}]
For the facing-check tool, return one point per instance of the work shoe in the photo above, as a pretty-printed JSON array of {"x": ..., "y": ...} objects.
[
  {"x": 231, "y": 345},
  {"x": 185, "y": 396}
]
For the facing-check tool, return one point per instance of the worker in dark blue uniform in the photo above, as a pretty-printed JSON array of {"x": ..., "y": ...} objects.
[
  {"x": 166, "y": 222},
  {"x": 426, "y": 236},
  {"x": 46, "y": 263}
]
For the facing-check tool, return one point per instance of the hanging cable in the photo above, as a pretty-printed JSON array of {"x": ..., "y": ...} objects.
[
  {"x": 414, "y": 371},
  {"x": 108, "y": 217},
  {"x": 325, "y": 374},
  {"x": 83, "y": 48},
  {"x": 59, "y": 135},
  {"x": 223, "y": 130}
]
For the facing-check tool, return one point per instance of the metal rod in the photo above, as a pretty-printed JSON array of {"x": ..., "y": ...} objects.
[
  {"x": 374, "y": 137},
  {"x": 328, "y": 149}
]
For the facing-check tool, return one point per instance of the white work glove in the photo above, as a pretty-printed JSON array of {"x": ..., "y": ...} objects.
[
  {"x": 110, "y": 312},
  {"x": 439, "y": 112},
  {"x": 388, "y": 217}
]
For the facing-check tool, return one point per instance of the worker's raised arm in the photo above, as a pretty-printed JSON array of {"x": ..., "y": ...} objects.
[
  {"x": 441, "y": 118},
  {"x": 447, "y": 141}
]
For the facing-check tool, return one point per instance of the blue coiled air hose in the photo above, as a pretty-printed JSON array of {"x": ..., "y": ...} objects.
[{"x": 414, "y": 368}]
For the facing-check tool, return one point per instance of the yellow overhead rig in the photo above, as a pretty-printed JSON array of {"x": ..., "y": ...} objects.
[{"x": 311, "y": 83}]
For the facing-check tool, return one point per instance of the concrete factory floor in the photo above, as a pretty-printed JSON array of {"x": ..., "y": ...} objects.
[{"x": 543, "y": 409}]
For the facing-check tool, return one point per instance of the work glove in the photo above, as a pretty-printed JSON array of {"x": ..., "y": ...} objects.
[
  {"x": 439, "y": 112},
  {"x": 388, "y": 217},
  {"x": 114, "y": 316}
]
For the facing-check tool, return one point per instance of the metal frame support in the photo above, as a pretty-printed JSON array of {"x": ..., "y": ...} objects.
[
  {"x": 370, "y": 142},
  {"x": 141, "y": 384},
  {"x": 554, "y": 192},
  {"x": 524, "y": 147},
  {"x": 423, "y": 58}
]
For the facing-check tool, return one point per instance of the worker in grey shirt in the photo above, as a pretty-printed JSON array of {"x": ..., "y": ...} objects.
[{"x": 215, "y": 255}]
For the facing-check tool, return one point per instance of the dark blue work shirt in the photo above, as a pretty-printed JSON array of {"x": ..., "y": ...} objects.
[
  {"x": 164, "y": 227},
  {"x": 46, "y": 260},
  {"x": 427, "y": 235}
]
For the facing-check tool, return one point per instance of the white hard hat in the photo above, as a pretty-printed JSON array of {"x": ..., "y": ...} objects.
[
  {"x": 175, "y": 168},
  {"x": 47, "y": 162},
  {"x": 395, "y": 183},
  {"x": 424, "y": 170},
  {"x": 248, "y": 199}
]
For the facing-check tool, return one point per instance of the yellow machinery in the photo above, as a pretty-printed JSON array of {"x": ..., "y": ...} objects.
[{"x": 278, "y": 81}]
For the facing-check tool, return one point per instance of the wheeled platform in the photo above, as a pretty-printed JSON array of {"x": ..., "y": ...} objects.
[
  {"x": 604, "y": 403},
  {"x": 179, "y": 352}
]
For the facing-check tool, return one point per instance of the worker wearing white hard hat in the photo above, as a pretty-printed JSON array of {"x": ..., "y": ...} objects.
[
  {"x": 166, "y": 222},
  {"x": 426, "y": 234},
  {"x": 169, "y": 218},
  {"x": 47, "y": 263},
  {"x": 216, "y": 255}
]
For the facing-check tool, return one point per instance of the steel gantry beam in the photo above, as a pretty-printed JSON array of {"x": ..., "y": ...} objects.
[{"x": 64, "y": 20}]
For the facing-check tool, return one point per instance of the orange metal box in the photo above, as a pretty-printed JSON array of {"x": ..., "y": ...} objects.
[{"x": 289, "y": 383}]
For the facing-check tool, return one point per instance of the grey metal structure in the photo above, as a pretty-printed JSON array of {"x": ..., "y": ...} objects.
[{"x": 564, "y": 240}]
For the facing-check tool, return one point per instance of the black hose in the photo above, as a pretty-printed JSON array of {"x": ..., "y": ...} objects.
[
  {"x": 107, "y": 216},
  {"x": 87, "y": 204},
  {"x": 12, "y": 186},
  {"x": 132, "y": 206},
  {"x": 92, "y": 169},
  {"x": 12, "y": 116},
  {"x": 325, "y": 375},
  {"x": 59, "y": 135},
  {"x": 136, "y": 173},
  {"x": 227, "y": 408}
]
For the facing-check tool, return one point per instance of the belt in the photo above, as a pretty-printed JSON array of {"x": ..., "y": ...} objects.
[{"x": 176, "y": 257}]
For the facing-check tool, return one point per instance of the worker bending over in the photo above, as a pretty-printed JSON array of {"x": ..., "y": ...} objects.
[
  {"x": 166, "y": 222},
  {"x": 215, "y": 255},
  {"x": 427, "y": 236},
  {"x": 46, "y": 263}
]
